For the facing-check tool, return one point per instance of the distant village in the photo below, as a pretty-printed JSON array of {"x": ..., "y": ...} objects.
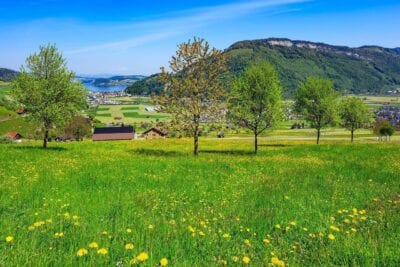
[{"x": 104, "y": 98}]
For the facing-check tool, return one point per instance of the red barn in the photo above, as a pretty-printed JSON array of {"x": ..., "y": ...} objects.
[{"x": 113, "y": 133}]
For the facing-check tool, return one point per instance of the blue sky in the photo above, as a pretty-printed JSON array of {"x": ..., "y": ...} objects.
[{"x": 139, "y": 36}]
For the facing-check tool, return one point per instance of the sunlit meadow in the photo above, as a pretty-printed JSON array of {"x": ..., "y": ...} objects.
[{"x": 151, "y": 203}]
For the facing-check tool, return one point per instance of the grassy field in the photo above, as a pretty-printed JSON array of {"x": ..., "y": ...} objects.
[{"x": 295, "y": 203}]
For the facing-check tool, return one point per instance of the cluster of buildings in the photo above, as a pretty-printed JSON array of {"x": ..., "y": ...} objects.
[
  {"x": 390, "y": 113},
  {"x": 126, "y": 133},
  {"x": 394, "y": 92},
  {"x": 105, "y": 98}
]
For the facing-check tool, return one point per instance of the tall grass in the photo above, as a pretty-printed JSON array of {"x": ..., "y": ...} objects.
[{"x": 295, "y": 203}]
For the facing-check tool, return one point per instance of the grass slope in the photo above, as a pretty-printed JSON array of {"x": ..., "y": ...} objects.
[{"x": 203, "y": 211}]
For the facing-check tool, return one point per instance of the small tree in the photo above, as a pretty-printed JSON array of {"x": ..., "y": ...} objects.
[
  {"x": 316, "y": 101},
  {"x": 193, "y": 90},
  {"x": 354, "y": 114},
  {"x": 255, "y": 100},
  {"x": 47, "y": 90},
  {"x": 78, "y": 128},
  {"x": 383, "y": 128}
]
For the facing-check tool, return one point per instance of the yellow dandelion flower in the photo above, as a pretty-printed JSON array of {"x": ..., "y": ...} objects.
[
  {"x": 334, "y": 228},
  {"x": 346, "y": 220},
  {"x": 59, "y": 235},
  {"x": 277, "y": 262},
  {"x": 277, "y": 226},
  {"x": 293, "y": 223},
  {"x": 226, "y": 235},
  {"x": 129, "y": 230},
  {"x": 129, "y": 246},
  {"x": 151, "y": 227},
  {"x": 82, "y": 252},
  {"x": 331, "y": 237},
  {"x": 363, "y": 218},
  {"x": 191, "y": 229},
  {"x": 102, "y": 251},
  {"x": 9, "y": 239},
  {"x": 353, "y": 230},
  {"x": 75, "y": 217},
  {"x": 246, "y": 260},
  {"x": 305, "y": 229},
  {"x": 235, "y": 258},
  {"x": 142, "y": 256},
  {"x": 247, "y": 242},
  {"x": 93, "y": 245},
  {"x": 133, "y": 261},
  {"x": 202, "y": 233},
  {"x": 266, "y": 241},
  {"x": 105, "y": 233},
  {"x": 164, "y": 262},
  {"x": 31, "y": 228}
]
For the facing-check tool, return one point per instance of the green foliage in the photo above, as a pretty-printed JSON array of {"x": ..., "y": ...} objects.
[
  {"x": 354, "y": 114},
  {"x": 255, "y": 101},
  {"x": 356, "y": 70},
  {"x": 148, "y": 86},
  {"x": 47, "y": 90},
  {"x": 5, "y": 140},
  {"x": 78, "y": 128},
  {"x": 383, "y": 128},
  {"x": 364, "y": 70},
  {"x": 194, "y": 91},
  {"x": 316, "y": 100}
]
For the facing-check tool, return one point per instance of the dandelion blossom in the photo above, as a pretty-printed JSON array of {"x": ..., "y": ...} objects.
[
  {"x": 142, "y": 256},
  {"x": 9, "y": 239},
  {"x": 102, "y": 251},
  {"x": 331, "y": 237},
  {"x": 82, "y": 252},
  {"x": 246, "y": 260},
  {"x": 164, "y": 262},
  {"x": 93, "y": 245},
  {"x": 277, "y": 262},
  {"x": 129, "y": 246}
]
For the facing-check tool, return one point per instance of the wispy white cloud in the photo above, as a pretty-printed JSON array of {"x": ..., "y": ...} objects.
[{"x": 186, "y": 21}]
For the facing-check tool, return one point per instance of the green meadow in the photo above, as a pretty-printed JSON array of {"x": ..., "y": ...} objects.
[{"x": 294, "y": 204}]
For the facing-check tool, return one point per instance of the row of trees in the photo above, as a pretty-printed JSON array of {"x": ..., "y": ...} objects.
[{"x": 194, "y": 94}]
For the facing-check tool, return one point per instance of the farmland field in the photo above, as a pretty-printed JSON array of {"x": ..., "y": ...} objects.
[
  {"x": 298, "y": 204},
  {"x": 128, "y": 114}
]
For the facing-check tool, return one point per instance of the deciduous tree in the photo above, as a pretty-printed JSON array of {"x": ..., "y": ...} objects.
[
  {"x": 193, "y": 90},
  {"x": 354, "y": 114},
  {"x": 255, "y": 101},
  {"x": 316, "y": 100},
  {"x": 47, "y": 91}
]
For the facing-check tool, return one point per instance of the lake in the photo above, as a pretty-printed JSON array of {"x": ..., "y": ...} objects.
[{"x": 94, "y": 88}]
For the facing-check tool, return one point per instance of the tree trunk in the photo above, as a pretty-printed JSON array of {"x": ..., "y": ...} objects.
[
  {"x": 45, "y": 138},
  {"x": 196, "y": 141},
  {"x": 318, "y": 135},
  {"x": 255, "y": 143},
  {"x": 352, "y": 136}
]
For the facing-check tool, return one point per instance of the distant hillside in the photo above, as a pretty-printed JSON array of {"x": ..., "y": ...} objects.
[
  {"x": 147, "y": 86},
  {"x": 112, "y": 81},
  {"x": 363, "y": 70},
  {"x": 7, "y": 75},
  {"x": 367, "y": 69}
]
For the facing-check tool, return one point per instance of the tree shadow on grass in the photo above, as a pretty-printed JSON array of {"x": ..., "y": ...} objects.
[
  {"x": 158, "y": 153},
  {"x": 274, "y": 145},
  {"x": 39, "y": 148},
  {"x": 227, "y": 152}
]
